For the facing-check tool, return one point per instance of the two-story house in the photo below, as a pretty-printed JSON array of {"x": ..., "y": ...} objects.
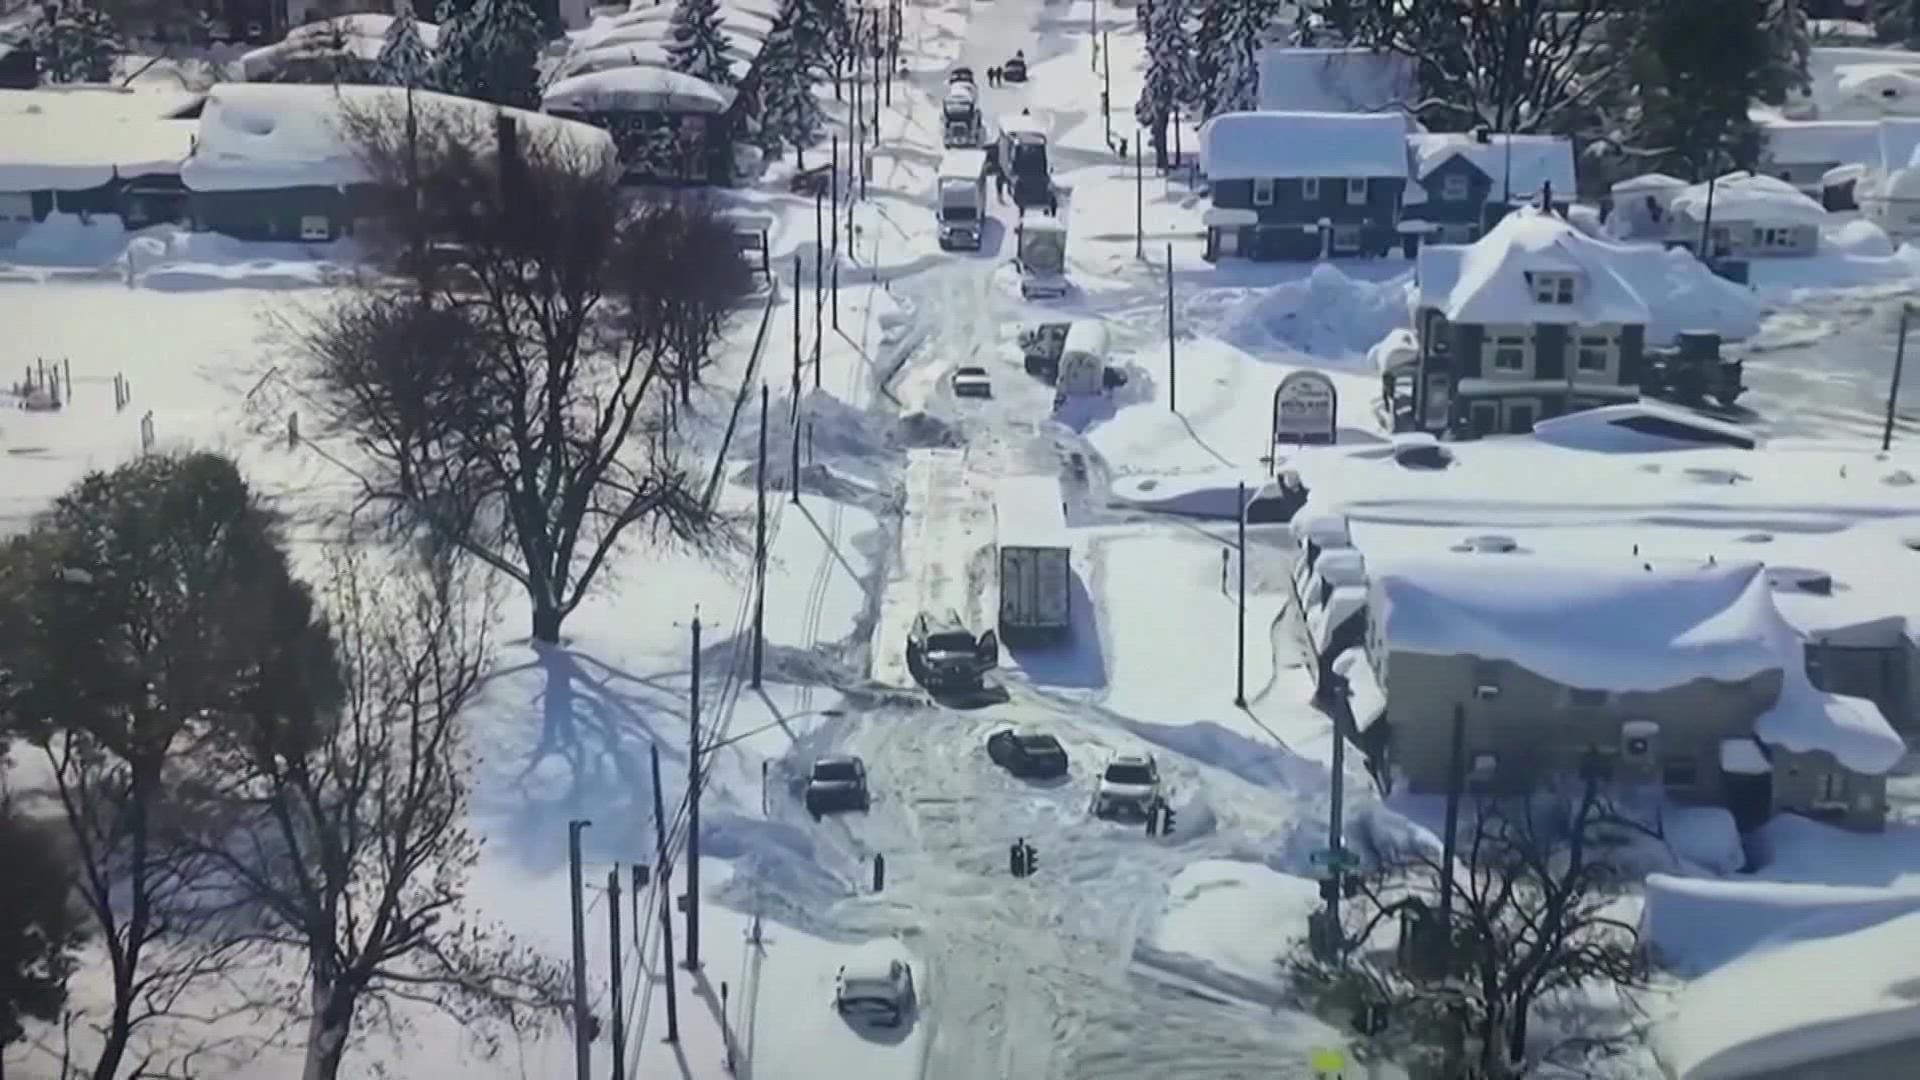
[
  {"x": 1533, "y": 320},
  {"x": 1460, "y": 184},
  {"x": 1303, "y": 185},
  {"x": 1681, "y": 676}
]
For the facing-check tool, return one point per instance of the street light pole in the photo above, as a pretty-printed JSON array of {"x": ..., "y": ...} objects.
[
  {"x": 1139, "y": 201},
  {"x": 693, "y": 805},
  {"x": 582, "y": 1031},
  {"x": 1240, "y": 665}
]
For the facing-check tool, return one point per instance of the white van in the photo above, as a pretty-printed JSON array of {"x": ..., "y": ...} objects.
[{"x": 1083, "y": 359}]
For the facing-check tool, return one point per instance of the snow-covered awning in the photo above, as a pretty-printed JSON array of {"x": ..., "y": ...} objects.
[
  {"x": 1743, "y": 757},
  {"x": 1851, "y": 729},
  {"x": 1364, "y": 694},
  {"x": 1229, "y": 217}
]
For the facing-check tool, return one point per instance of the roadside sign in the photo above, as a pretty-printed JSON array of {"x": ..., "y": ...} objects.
[{"x": 1329, "y": 859}]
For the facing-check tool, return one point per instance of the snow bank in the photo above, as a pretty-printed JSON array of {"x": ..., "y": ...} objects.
[
  {"x": 1326, "y": 315},
  {"x": 1694, "y": 925},
  {"x": 1598, "y": 429},
  {"x": 1852, "y": 729},
  {"x": 1857, "y": 237},
  {"x": 1228, "y": 924}
]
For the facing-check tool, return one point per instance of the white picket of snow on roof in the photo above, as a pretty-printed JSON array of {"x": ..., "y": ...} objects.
[
  {"x": 1821, "y": 142},
  {"x": 265, "y": 136},
  {"x": 1364, "y": 694},
  {"x": 1535, "y": 160},
  {"x": 1832, "y": 985},
  {"x": 75, "y": 138},
  {"x": 1762, "y": 200},
  {"x": 1488, "y": 281},
  {"x": 1274, "y": 145},
  {"x": 637, "y": 89},
  {"x": 1335, "y": 80}
]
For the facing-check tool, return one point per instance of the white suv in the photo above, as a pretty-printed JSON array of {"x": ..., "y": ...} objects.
[
  {"x": 880, "y": 992},
  {"x": 1129, "y": 784}
]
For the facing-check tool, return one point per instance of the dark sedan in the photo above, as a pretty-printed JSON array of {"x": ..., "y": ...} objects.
[
  {"x": 837, "y": 783},
  {"x": 1033, "y": 756}
]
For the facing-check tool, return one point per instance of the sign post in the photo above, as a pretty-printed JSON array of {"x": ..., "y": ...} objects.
[{"x": 1306, "y": 410}]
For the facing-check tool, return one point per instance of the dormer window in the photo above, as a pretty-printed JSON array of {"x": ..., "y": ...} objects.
[{"x": 1552, "y": 288}]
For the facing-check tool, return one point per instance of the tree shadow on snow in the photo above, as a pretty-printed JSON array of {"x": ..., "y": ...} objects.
[{"x": 1077, "y": 663}]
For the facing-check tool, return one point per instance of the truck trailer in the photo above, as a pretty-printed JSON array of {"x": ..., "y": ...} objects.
[
  {"x": 1035, "y": 559},
  {"x": 963, "y": 198}
]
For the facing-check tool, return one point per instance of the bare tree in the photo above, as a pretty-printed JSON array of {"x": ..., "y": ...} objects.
[
  {"x": 350, "y": 841},
  {"x": 516, "y": 402},
  {"x": 1527, "y": 919}
]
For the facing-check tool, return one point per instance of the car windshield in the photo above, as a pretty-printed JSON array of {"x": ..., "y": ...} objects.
[
  {"x": 972, "y": 372},
  {"x": 835, "y": 770},
  {"x": 1127, "y": 773},
  {"x": 960, "y": 213},
  {"x": 952, "y": 641},
  {"x": 1044, "y": 744}
]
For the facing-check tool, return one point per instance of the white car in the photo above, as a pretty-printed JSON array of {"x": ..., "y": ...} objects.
[
  {"x": 972, "y": 382},
  {"x": 875, "y": 991},
  {"x": 1129, "y": 784}
]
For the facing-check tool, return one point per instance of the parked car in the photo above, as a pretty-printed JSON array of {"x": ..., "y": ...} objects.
[
  {"x": 874, "y": 992},
  {"x": 972, "y": 381},
  {"x": 1129, "y": 785},
  {"x": 1027, "y": 754},
  {"x": 944, "y": 655},
  {"x": 838, "y": 783},
  {"x": 1015, "y": 70}
]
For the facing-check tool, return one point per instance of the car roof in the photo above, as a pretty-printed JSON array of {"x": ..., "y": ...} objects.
[
  {"x": 1036, "y": 737},
  {"x": 940, "y": 622},
  {"x": 1131, "y": 759},
  {"x": 836, "y": 759}
]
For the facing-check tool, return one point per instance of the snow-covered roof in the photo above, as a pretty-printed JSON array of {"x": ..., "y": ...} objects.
[
  {"x": 738, "y": 46},
  {"x": 76, "y": 138},
  {"x": 1611, "y": 625},
  {"x": 1742, "y": 196},
  {"x": 1821, "y": 142},
  {"x": 1343, "y": 603},
  {"x": 1336, "y": 80},
  {"x": 360, "y": 36},
  {"x": 1487, "y": 281},
  {"x": 1364, "y": 695},
  {"x": 1646, "y": 183},
  {"x": 1537, "y": 160},
  {"x": 1899, "y": 137},
  {"x": 1247, "y": 145},
  {"x": 263, "y": 136},
  {"x": 1886, "y": 86},
  {"x": 1023, "y": 127},
  {"x": 1838, "y": 984},
  {"x": 743, "y": 27},
  {"x": 1849, "y": 728},
  {"x": 637, "y": 89},
  {"x": 634, "y": 54}
]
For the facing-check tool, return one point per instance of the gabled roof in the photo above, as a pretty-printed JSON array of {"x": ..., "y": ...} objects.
[
  {"x": 1532, "y": 161},
  {"x": 1486, "y": 282},
  {"x": 1335, "y": 80},
  {"x": 1269, "y": 144}
]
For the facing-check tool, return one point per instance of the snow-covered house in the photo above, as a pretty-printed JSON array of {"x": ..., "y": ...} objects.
[
  {"x": 275, "y": 162},
  {"x": 1802, "y": 152},
  {"x": 1302, "y": 185},
  {"x": 1830, "y": 997},
  {"x": 90, "y": 150},
  {"x": 667, "y": 127},
  {"x": 1534, "y": 320},
  {"x": 1655, "y": 672},
  {"x": 1336, "y": 80},
  {"x": 1642, "y": 205},
  {"x": 1455, "y": 180},
  {"x": 1741, "y": 216}
]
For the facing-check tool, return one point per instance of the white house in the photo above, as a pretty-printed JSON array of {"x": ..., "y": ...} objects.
[
  {"x": 1336, "y": 80},
  {"x": 1747, "y": 216}
]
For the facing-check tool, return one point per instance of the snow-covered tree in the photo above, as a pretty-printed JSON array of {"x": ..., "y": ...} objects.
[
  {"x": 790, "y": 114},
  {"x": 1169, "y": 78},
  {"x": 76, "y": 43},
  {"x": 698, "y": 45},
  {"x": 404, "y": 59},
  {"x": 489, "y": 50},
  {"x": 1229, "y": 57}
]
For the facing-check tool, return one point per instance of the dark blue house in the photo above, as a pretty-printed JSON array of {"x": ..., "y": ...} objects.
[
  {"x": 1303, "y": 185},
  {"x": 1460, "y": 184}
]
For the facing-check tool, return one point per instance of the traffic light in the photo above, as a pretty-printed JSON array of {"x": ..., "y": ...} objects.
[{"x": 1153, "y": 818}]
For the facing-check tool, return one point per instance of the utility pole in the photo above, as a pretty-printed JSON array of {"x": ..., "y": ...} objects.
[
  {"x": 1240, "y": 665},
  {"x": 793, "y": 478},
  {"x": 1139, "y": 202},
  {"x": 1337, "y": 811},
  {"x": 834, "y": 291},
  {"x": 619, "y": 1031},
  {"x": 1173, "y": 393},
  {"x": 665, "y": 870},
  {"x": 582, "y": 1032},
  {"x": 833, "y": 186},
  {"x": 1706, "y": 224},
  {"x": 1893, "y": 391},
  {"x": 760, "y": 546},
  {"x": 693, "y": 804}
]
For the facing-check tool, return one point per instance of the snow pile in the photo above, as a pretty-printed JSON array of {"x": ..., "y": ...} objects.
[
  {"x": 1228, "y": 925},
  {"x": 1839, "y": 984},
  {"x": 1857, "y": 237},
  {"x": 1742, "y": 196},
  {"x": 65, "y": 240},
  {"x": 1328, "y": 315},
  {"x": 1601, "y": 430},
  {"x": 1694, "y": 925},
  {"x": 1851, "y": 729},
  {"x": 1400, "y": 348}
]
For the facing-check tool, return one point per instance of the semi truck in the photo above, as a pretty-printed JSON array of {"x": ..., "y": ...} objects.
[
  {"x": 1035, "y": 559},
  {"x": 960, "y": 113},
  {"x": 963, "y": 198}
]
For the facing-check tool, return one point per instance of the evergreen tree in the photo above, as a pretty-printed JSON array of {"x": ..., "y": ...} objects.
[
  {"x": 489, "y": 51},
  {"x": 77, "y": 43},
  {"x": 1209, "y": 55},
  {"x": 790, "y": 114},
  {"x": 404, "y": 59},
  {"x": 812, "y": 24},
  {"x": 1693, "y": 73},
  {"x": 1784, "y": 69},
  {"x": 1170, "y": 77},
  {"x": 698, "y": 45},
  {"x": 40, "y": 927},
  {"x": 1230, "y": 55}
]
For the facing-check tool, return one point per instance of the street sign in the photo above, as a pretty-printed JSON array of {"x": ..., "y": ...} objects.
[{"x": 1330, "y": 859}]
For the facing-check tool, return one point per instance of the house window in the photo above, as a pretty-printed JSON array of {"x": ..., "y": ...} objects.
[
  {"x": 1778, "y": 238},
  {"x": 1833, "y": 787},
  {"x": 1680, "y": 773},
  {"x": 1553, "y": 288},
  {"x": 1520, "y": 416},
  {"x": 1263, "y": 192},
  {"x": 1346, "y": 239},
  {"x": 1594, "y": 354},
  {"x": 1310, "y": 188},
  {"x": 1356, "y": 191},
  {"x": 1510, "y": 354},
  {"x": 1586, "y": 699},
  {"x": 315, "y": 227},
  {"x": 1454, "y": 188},
  {"x": 1486, "y": 680}
]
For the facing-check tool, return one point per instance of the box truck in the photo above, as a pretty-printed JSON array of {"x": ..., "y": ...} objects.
[
  {"x": 963, "y": 198},
  {"x": 1035, "y": 557}
]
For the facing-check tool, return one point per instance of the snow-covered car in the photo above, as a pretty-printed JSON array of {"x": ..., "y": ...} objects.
[
  {"x": 837, "y": 783},
  {"x": 1128, "y": 785},
  {"x": 944, "y": 655},
  {"x": 1027, "y": 754},
  {"x": 972, "y": 381},
  {"x": 874, "y": 991}
]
